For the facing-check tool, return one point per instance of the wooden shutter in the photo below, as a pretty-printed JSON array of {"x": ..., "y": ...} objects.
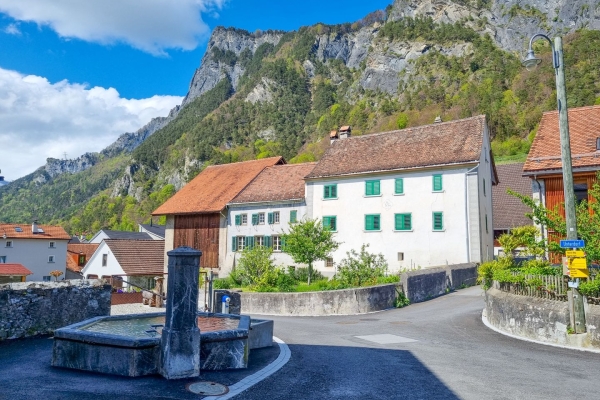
[
  {"x": 249, "y": 242},
  {"x": 407, "y": 221},
  {"x": 326, "y": 192},
  {"x": 293, "y": 215},
  {"x": 326, "y": 222},
  {"x": 438, "y": 221},
  {"x": 332, "y": 223},
  {"x": 267, "y": 241},
  {"x": 437, "y": 183},
  {"x": 254, "y": 219},
  {"x": 333, "y": 191},
  {"x": 271, "y": 218},
  {"x": 234, "y": 243},
  {"x": 238, "y": 219},
  {"x": 369, "y": 188},
  {"x": 399, "y": 186}
]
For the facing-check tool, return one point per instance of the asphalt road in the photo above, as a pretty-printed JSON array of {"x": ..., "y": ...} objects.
[{"x": 453, "y": 356}]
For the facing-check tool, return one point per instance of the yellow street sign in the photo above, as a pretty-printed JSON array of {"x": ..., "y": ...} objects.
[
  {"x": 575, "y": 253},
  {"x": 579, "y": 273},
  {"x": 577, "y": 263}
]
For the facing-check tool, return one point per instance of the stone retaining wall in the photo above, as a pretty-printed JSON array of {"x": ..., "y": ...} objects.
[
  {"x": 330, "y": 302},
  {"x": 540, "y": 319},
  {"x": 36, "y": 308},
  {"x": 424, "y": 284}
]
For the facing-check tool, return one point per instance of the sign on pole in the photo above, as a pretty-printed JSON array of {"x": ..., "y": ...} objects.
[
  {"x": 572, "y": 244},
  {"x": 574, "y": 253}
]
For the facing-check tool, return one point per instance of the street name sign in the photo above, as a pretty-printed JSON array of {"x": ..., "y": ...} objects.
[
  {"x": 572, "y": 244},
  {"x": 574, "y": 253}
]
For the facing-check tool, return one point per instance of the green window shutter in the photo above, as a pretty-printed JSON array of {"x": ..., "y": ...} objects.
[
  {"x": 399, "y": 186},
  {"x": 372, "y": 223},
  {"x": 332, "y": 223},
  {"x": 254, "y": 219},
  {"x": 293, "y": 216},
  {"x": 398, "y": 222},
  {"x": 408, "y": 221},
  {"x": 437, "y": 183},
  {"x": 271, "y": 218},
  {"x": 326, "y": 192},
  {"x": 403, "y": 222},
  {"x": 369, "y": 188},
  {"x": 267, "y": 241},
  {"x": 333, "y": 191},
  {"x": 326, "y": 222},
  {"x": 238, "y": 219},
  {"x": 282, "y": 241},
  {"x": 249, "y": 241},
  {"x": 234, "y": 243},
  {"x": 438, "y": 221}
]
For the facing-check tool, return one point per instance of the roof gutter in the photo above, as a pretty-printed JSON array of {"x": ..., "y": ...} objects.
[{"x": 558, "y": 171}]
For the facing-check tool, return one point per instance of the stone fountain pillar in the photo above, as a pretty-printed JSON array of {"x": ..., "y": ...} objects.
[{"x": 180, "y": 342}]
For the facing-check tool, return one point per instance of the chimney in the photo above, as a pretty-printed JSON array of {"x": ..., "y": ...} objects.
[
  {"x": 345, "y": 131},
  {"x": 333, "y": 136},
  {"x": 34, "y": 227},
  {"x": 437, "y": 120}
]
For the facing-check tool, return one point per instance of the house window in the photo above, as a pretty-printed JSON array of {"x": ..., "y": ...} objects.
[
  {"x": 259, "y": 241},
  {"x": 400, "y": 256},
  {"x": 581, "y": 191},
  {"x": 403, "y": 222},
  {"x": 438, "y": 221},
  {"x": 244, "y": 218},
  {"x": 52, "y": 245},
  {"x": 329, "y": 262},
  {"x": 104, "y": 260},
  {"x": 238, "y": 243},
  {"x": 50, "y": 259},
  {"x": 9, "y": 243},
  {"x": 241, "y": 219},
  {"x": 249, "y": 242},
  {"x": 293, "y": 216},
  {"x": 399, "y": 186},
  {"x": 261, "y": 218},
  {"x": 81, "y": 260},
  {"x": 437, "y": 183},
  {"x": 330, "y": 222},
  {"x": 330, "y": 191},
  {"x": 276, "y": 243},
  {"x": 273, "y": 218},
  {"x": 372, "y": 222},
  {"x": 372, "y": 188},
  {"x": 46, "y": 278},
  {"x": 2, "y": 259}
]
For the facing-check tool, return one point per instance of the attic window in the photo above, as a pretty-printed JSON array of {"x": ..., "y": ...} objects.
[
  {"x": 40, "y": 230},
  {"x": 18, "y": 229}
]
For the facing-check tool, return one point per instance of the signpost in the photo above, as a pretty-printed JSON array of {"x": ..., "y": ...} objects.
[{"x": 572, "y": 244}]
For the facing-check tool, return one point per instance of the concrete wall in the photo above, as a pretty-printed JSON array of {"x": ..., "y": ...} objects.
[
  {"x": 30, "y": 309},
  {"x": 425, "y": 284},
  {"x": 422, "y": 246},
  {"x": 331, "y": 302}
]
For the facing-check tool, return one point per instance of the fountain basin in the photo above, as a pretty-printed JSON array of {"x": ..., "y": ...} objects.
[{"x": 93, "y": 345}]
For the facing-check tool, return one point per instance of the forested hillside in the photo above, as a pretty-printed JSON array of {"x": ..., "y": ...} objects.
[{"x": 271, "y": 93}]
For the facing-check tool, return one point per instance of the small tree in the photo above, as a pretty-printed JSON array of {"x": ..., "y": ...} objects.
[
  {"x": 360, "y": 269},
  {"x": 56, "y": 273},
  {"x": 256, "y": 268},
  {"x": 308, "y": 241}
]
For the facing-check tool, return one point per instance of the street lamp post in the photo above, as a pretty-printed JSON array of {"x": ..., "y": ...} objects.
[{"x": 530, "y": 62}]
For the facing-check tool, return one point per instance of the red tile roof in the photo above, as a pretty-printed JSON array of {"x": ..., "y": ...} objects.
[
  {"x": 277, "y": 183},
  {"x": 73, "y": 252},
  {"x": 49, "y": 232},
  {"x": 139, "y": 257},
  {"x": 214, "y": 187},
  {"x": 584, "y": 128},
  {"x": 445, "y": 143},
  {"x": 14, "y": 270},
  {"x": 508, "y": 210}
]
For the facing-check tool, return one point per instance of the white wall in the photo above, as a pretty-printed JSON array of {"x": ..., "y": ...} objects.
[
  {"x": 422, "y": 246},
  {"x": 34, "y": 253},
  {"x": 94, "y": 265},
  {"x": 260, "y": 230}
]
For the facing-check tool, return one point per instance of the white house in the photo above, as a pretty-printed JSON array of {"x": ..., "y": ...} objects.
[
  {"x": 420, "y": 196},
  {"x": 264, "y": 209},
  {"x": 39, "y": 248},
  {"x": 137, "y": 261}
]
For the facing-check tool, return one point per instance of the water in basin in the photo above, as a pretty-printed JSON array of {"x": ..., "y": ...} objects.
[{"x": 137, "y": 327}]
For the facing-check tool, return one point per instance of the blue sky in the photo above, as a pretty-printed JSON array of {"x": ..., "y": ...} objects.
[{"x": 74, "y": 74}]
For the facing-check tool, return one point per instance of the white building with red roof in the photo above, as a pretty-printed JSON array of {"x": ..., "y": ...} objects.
[{"x": 39, "y": 248}]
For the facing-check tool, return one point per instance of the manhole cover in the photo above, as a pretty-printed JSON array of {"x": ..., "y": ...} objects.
[{"x": 207, "y": 388}]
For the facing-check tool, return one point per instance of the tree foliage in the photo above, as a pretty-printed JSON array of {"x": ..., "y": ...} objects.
[{"x": 360, "y": 269}]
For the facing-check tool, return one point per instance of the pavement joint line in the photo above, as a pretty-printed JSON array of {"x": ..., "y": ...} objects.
[
  {"x": 561, "y": 346},
  {"x": 251, "y": 380}
]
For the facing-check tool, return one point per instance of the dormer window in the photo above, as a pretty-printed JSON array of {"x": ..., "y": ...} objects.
[{"x": 81, "y": 260}]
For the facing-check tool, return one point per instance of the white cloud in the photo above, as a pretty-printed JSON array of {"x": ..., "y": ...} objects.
[
  {"x": 148, "y": 25},
  {"x": 39, "y": 119},
  {"x": 12, "y": 29}
]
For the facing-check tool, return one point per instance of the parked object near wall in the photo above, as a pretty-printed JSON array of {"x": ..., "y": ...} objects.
[{"x": 36, "y": 308}]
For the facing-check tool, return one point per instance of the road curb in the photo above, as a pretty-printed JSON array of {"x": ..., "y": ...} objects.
[
  {"x": 560, "y": 346},
  {"x": 251, "y": 380}
]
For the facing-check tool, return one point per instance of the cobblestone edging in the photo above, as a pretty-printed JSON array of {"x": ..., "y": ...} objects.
[{"x": 37, "y": 308}]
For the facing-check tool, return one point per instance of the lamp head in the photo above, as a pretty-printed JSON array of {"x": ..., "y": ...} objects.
[{"x": 530, "y": 61}]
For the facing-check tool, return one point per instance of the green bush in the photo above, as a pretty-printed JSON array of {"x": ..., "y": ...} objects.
[
  {"x": 590, "y": 288},
  {"x": 360, "y": 269},
  {"x": 539, "y": 267},
  {"x": 223, "y": 283},
  {"x": 301, "y": 275},
  {"x": 256, "y": 269}
]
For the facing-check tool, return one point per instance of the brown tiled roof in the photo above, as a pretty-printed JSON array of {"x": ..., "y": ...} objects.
[
  {"x": 277, "y": 183},
  {"x": 14, "y": 270},
  {"x": 508, "y": 210},
  {"x": 139, "y": 257},
  {"x": 73, "y": 251},
  {"x": 214, "y": 187},
  {"x": 333, "y": 134},
  {"x": 584, "y": 128},
  {"x": 50, "y": 232},
  {"x": 443, "y": 143}
]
